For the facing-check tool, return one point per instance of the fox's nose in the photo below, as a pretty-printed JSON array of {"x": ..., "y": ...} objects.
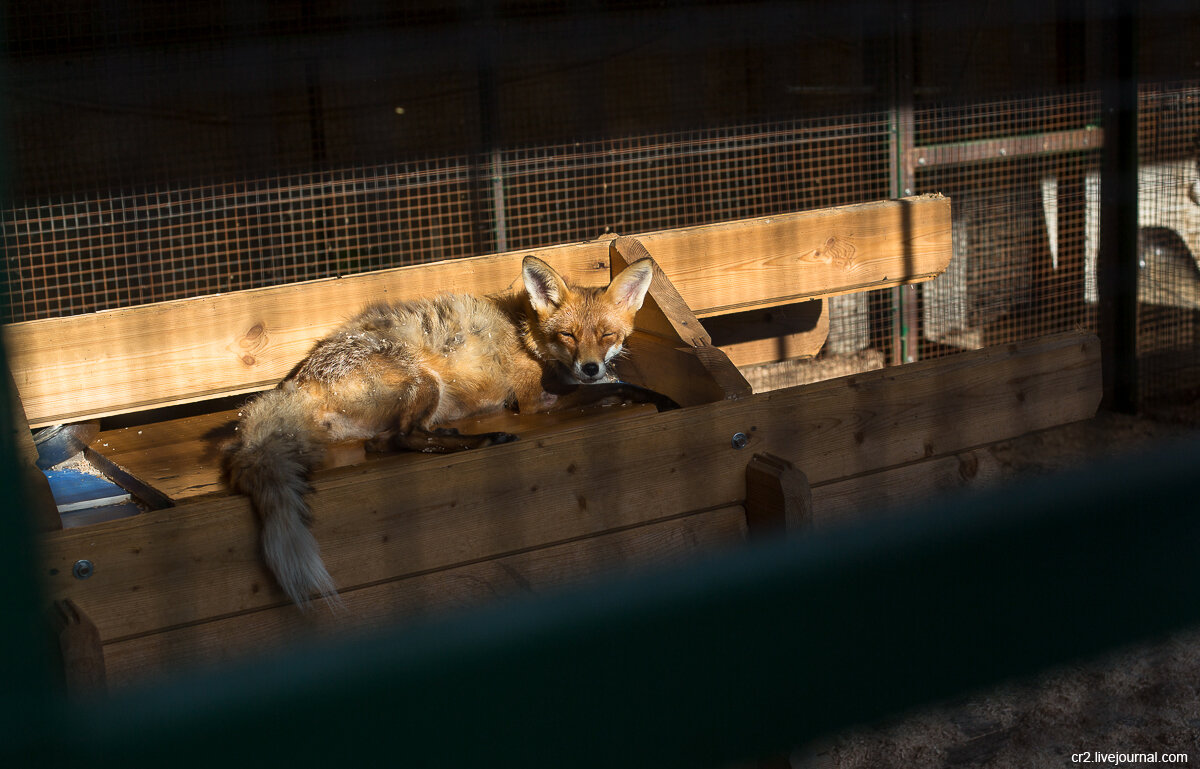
[{"x": 590, "y": 369}]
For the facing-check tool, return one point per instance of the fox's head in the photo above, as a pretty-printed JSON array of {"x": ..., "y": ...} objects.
[{"x": 584, "y": 329}]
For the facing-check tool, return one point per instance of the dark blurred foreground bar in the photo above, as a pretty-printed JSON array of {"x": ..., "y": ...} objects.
[{"x": 740, "y": 656}]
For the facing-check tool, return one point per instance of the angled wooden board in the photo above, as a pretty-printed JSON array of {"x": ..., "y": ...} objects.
[
  {"x": 117, "y": 361},
  {"x": 689, "y": 375},
  {"x": 386, "y": 520},
  {"x": 772, "y": 334}
]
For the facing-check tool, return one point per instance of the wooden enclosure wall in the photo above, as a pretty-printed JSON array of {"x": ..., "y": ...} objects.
[{"x": 116, "y": 361}]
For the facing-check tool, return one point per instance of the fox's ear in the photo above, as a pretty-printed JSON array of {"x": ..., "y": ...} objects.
[
  {"x": 628, "y": 289},
  {"x": 546, "y": 287}
]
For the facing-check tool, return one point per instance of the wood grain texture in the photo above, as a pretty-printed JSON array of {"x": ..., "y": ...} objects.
[
  {"x": 725, "y": 268},
  {"x": 382, "y": 605},
  {"x": 665, "y": 313},
  {"x": 688, "y": 375},
  {"x": 694, "y": 371},
  {"x": 80, "y": 646},
  {"x": 386, "y": 520},
  {"x": 180, "y": 458},
  {"x": 192, "y": 349},
  {"x": 873, "y": 494},
  {"x": 771, "y": 335},
  {"x": 778, "y": 498},
  {"x": 135, "y": 358}
]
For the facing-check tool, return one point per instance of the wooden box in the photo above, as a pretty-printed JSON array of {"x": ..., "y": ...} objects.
[{"x": 611, "y": 489}]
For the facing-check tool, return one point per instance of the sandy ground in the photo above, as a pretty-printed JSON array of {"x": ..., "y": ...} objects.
[
  {"x": 1139, "y": 700},
  {"x": 1144, "y": 699}
]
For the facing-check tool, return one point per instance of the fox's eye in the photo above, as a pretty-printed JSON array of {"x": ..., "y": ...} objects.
[
  {"x": 608, "y": 334},
  {"x": 566, "y": 335}
]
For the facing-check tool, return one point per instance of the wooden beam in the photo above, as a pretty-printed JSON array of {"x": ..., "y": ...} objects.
[
  {"x": 385, "y": 520},
  {"x": 183, "y": 351},
  {"x": 167, "y": 462},
  {"x": 771, "y": 335},
  {"x": 665, "y": 313},
  {"x": 872, "y": 494},
  {"x": 677, "y": 357},
  {"x": 688, "y": 375},
  {"x": 130, "y": 359},
  {"x": 724, "y": 268},
  {"x": 80, "y": 647},
  {"x": 778, "y": 498}
]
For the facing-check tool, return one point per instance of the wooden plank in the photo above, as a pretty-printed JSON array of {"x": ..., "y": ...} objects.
[
  {"x": 665, "y": 313},
  {"x": 704, "y": 373},
  {"x": 80, "y": 647},
  {"x": 778, "y": 498},
  {"x": 384, "y": 520},
  {"x": 680, "y": 372},
  {"x": 180, "y": 459},
  {"x": 872, "y": 494},
  {"x": 192, "y": 349},
  {"x": 381, "y": 605},
  {"x": 771, "y": 335},
  {"x": 117, "y": 361},
  {"x": 776, "y": 260}
]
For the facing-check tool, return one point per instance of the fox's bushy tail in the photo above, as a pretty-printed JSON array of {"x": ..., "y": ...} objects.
[{"x": 278, "y": 446}]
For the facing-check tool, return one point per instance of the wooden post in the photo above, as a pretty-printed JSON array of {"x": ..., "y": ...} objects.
[
  {"x": 79, "y": 643},
  {"x": 778, "y": 504},
  {"x": 1117, "y": 271},
  {"x": 778, "y": 498}
]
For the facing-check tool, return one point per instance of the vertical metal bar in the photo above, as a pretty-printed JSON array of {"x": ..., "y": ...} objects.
[
  {"x": 1060, "y": 282},
  {"x": 903, "y": 177},
  {"x": 501, "y": 229},
  {"x": 487, "y": 176},
  {"x": 1117, "y": 271}
]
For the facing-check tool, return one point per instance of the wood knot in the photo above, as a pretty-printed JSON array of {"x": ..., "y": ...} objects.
[
  {"x": 834, "y": 251},
  {"x": 248, "y": 345}
]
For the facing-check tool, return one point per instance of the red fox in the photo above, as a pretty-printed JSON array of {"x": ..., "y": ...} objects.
[{"x": 396, "y": 372}]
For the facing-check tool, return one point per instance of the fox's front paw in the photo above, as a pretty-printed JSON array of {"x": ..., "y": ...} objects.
[
  {"x": 491, "y": 439},
  {"x": 638, "y": 394}
]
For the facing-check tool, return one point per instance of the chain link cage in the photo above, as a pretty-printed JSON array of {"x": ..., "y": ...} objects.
[{"x": 165, "y": 151}]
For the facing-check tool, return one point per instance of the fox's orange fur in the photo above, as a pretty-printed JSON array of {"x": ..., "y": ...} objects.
[{"x": 396, "y": 372}]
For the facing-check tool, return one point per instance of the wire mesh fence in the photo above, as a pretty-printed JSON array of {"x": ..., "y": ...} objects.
[
  {"x": 95, "y": 253},
  {"x": 1169, "y": 245},
  {"x": 1017, "y": 171},
  {"x": 286, "y": 167}
]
